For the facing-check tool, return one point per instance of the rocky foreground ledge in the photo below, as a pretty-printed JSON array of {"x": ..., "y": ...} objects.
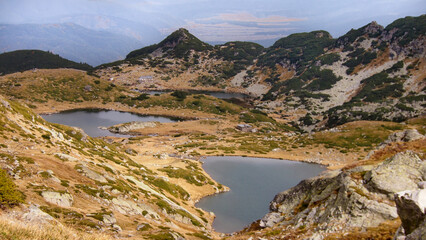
[{"x": 344, "y": 200}]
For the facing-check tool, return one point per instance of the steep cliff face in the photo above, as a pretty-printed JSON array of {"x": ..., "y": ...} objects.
[{"x": 343, "y": 200}]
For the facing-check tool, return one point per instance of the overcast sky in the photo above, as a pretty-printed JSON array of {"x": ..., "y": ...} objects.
[{"x": 222, "y": 20}]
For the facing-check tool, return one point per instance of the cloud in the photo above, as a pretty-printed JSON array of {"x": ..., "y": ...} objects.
[
  {"x": 234, "y": 32},
  {"x": 247, "y": 17},
  {"x": 241, "y": 26}
]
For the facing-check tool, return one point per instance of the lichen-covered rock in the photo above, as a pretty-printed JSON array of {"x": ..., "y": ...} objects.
[
  {"x": 36, "y": 216},
  {"x": 92, "y": 174},
  {"x": 109, "y": 219},
  {"x": 270, "y": 219},
  {"x": 398, "y": 173},
  {"x": 66, "y": 157},
  {"x": 129, "y": 207},
  {"x": 60, "y": 199},
  {"x": 404, "y": 136}
]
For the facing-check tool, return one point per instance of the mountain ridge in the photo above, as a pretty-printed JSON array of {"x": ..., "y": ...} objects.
[{"x": 310, "y": 71}]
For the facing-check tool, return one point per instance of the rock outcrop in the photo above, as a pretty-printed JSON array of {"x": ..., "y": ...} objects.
[
  {"x": 60, "y": 199},
  {"x": 131, "y": 208},
  {"x": 398, "y": 173},
  {"x": 340, "y": 200},
  {"x": 91, "y": 174},
  {"x": 404, "y": 136},
  {"x": 129, "y": 127},
  {"x": 36, "y": 216}
]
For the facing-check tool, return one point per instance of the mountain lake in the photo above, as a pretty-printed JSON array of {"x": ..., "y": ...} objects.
[
  {"x": 253, "y": 182},
  {"x": 91, "y": 119}
]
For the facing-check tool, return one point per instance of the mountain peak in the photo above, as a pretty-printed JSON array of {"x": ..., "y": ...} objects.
[
  {"x": 178, "y": 44},
  {"x": 178, "y": 36},
  {"x": 373, "y": 28}
]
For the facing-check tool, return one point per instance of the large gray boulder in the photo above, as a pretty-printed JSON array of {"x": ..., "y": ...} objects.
[
  {"x": 60, "y": 199},
  {"x": 399, "y": 173},
  {"x": 91, "y": 174},
  {"x": 404, "y": 136},
  {"x": 270, "y": 219},
  {"x": 36, "y": 216}
]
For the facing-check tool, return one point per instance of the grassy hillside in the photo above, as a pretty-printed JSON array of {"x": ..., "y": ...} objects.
[
  {"x": 61, "y": 85},
  {"x": 91, "y": 172}
]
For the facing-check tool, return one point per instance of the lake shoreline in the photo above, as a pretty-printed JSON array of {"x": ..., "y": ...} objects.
[{"x": 245, "y": 177}]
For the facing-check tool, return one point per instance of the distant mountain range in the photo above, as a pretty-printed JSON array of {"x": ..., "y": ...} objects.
[
  {"x": 146, "y": 33},
  {"x": 69, "y": 40}
]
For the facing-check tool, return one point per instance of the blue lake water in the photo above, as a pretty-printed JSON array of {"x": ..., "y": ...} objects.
[
  {"x": 221, "y": 95},
  {"x": 253, "y": 182},
  {"x": 91, "y": 120}
]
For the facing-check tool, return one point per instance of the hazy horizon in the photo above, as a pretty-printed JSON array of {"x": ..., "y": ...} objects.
[{"x": 211, "y": 21}]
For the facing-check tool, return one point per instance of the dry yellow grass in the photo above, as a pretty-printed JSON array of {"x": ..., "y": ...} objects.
[{"x": 17, "y": 230}]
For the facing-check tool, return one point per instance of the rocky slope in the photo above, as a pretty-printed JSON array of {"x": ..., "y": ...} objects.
[
  {"x": 72, "y": 179},
  {"x": 370, "y": 73}
]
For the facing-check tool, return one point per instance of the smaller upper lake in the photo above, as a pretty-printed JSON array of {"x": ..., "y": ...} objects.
[
  {"x": 221, "y": 95},
  {"x": 91, "y": 119}
]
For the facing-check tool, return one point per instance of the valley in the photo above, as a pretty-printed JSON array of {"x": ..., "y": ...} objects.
[{"x": 355, "y": 104}]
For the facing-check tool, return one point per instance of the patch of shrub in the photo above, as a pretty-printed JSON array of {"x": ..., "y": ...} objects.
[
  {"x": 10, "y": 196},
  {"x": 180, "y": 95}
]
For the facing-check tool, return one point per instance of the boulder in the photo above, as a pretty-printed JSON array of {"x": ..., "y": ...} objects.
[
  {"x": 36, "y": 216},
  {"x": 66, "y": 157},
  {"x": 109, "y": 219},
  {"x": 60, "y": 199},
  {"x": 411, "y": 206},
  {"x": 116, "y": 228},
  {"x": 129, "y": 207},
  {"x": 270, "y": 219},
  {"x": 404, "y": 136},
  {"x": 5, "y": 104},
  {"x": 92, "y": 174},
  {"x": 128, "y": 127},
  {"x": 398, "y": 173},
  {"x": 142, "y": 227}
]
